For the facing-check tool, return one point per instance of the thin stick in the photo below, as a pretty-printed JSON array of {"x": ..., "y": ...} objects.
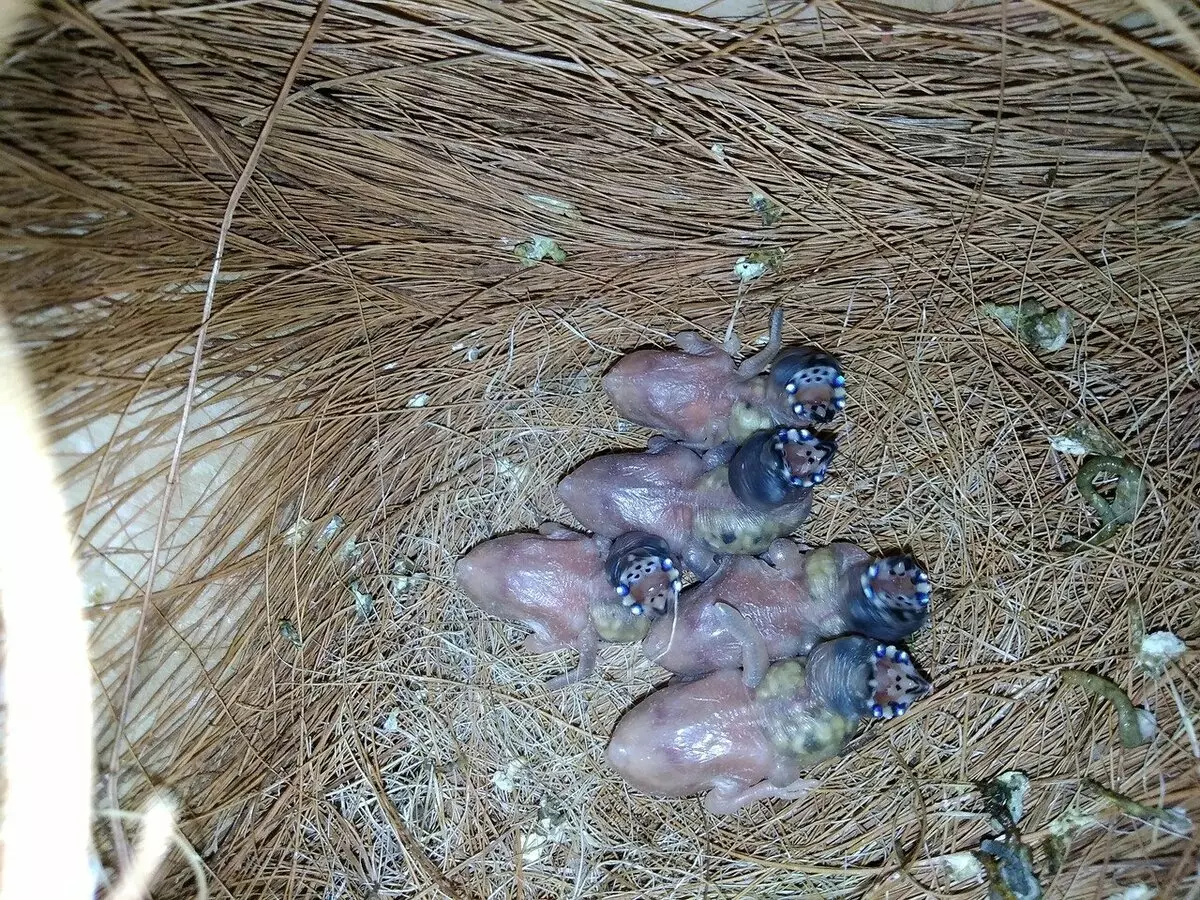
[{"x": 114, "y": 764}]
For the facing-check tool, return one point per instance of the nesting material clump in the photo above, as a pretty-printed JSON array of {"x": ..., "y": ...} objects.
[{"x": 377, "y": 351}]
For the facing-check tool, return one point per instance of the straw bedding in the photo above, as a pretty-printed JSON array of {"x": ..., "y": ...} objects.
[{"x": 378, "y": 352}]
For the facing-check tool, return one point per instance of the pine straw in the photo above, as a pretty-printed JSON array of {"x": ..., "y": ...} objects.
[{"x": 926, "y": 167}]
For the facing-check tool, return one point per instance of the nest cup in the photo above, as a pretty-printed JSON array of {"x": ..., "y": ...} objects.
[{"x": 451, "y": 218}]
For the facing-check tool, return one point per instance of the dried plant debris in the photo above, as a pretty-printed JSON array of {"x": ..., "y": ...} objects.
[
  {"x": 290, "y": 632},
  {"x": 1009, "y": 866},
  {"x": 1158, "y": 650},
  {"x": 298, "y": 533},
  {"x": 539, "y": 249},
  {"x": 757, "y": 264},
  {"x": 770, "y": 211},
  {"x": 1004, "y": 798},
  {"x": 1129, "y": 495},
  {"x": 1130, "y": 724},
  {"x": 1036, "y": 326},
  {"x": 1082, "y": 438}
]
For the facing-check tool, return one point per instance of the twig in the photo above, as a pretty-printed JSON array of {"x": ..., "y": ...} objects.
[{"x": 114, "y": 764}]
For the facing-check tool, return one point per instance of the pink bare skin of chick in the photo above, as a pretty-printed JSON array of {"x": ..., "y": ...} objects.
[
  {"x": 702, "y": 511},
  {"x": 698, "y": 395},
  {"x": 755, "y": 610},
  {"x": 737, "y": 745},
  {"x": 571, "y": 590}
]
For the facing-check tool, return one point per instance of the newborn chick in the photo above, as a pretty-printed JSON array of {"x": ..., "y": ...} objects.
[
  {"x": 572, "y": 590},
  {"x": 764, "y": 493},
  {"x": 737, "y": 744},
  {"x": 755, "y": 610},
  {"x": 698, "y": 395}
]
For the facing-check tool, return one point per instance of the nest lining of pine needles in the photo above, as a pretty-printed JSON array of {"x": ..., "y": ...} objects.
[{"x": 386, "y": 353}]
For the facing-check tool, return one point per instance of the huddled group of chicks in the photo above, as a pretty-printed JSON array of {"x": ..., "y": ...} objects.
[{"x": 778, "y": 653}]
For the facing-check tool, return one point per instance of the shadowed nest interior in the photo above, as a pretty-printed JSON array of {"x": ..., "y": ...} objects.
[{"x": 390, "y": 375}]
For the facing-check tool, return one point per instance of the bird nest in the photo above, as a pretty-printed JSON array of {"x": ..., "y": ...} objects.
[{"x": 437, "y": 224}]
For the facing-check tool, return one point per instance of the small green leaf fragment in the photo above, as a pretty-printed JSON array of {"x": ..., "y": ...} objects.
[
  {"x": 770, "y": 211},
  {"x": 1129, "y": 725},
  {"x": 505, "y": 780},
  {"x": 289, "y": 632},
  {"x": 538, "y": 249}
]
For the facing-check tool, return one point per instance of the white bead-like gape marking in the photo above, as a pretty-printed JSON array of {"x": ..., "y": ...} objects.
[
  {"x": 897, "y": 583},
  {"x": 816, "y": 376}
]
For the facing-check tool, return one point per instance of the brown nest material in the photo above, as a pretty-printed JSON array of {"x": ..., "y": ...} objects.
[{"x": 339, "y": 722}]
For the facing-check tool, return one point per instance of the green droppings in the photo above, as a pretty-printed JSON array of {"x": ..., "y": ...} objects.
[
  {"x": 1173, "y": 820},
  {"x": 1128, "y": 497},
  {"x": 289, "y": 632},
  {"x": 1158, "y": 650},
  {"x": 539, "y": 249},
  {"x": 1035, "y": 325},
  {"x": 329, "y": 532},
  {"x": 553, "y": 205},
  {"x": 1129, "y": 724},
  {"x": 961, "y": 867},
  {"x": 297, "y": 535},
  {"x": 1055, "y": 850},
  {"x": 1004, "y": 798},
  {"x": 364, "y": 601},
  {"x": 770, "y": 211},
  {"x": 1082, "y": 438},
  {"x": 1009, "y": 865},
  {"x": 1063, "y": 830},
  {"x": 757, "y": 264},
  {"x": 350, "y": 553},
  {"x": 404, "y": 578}
]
